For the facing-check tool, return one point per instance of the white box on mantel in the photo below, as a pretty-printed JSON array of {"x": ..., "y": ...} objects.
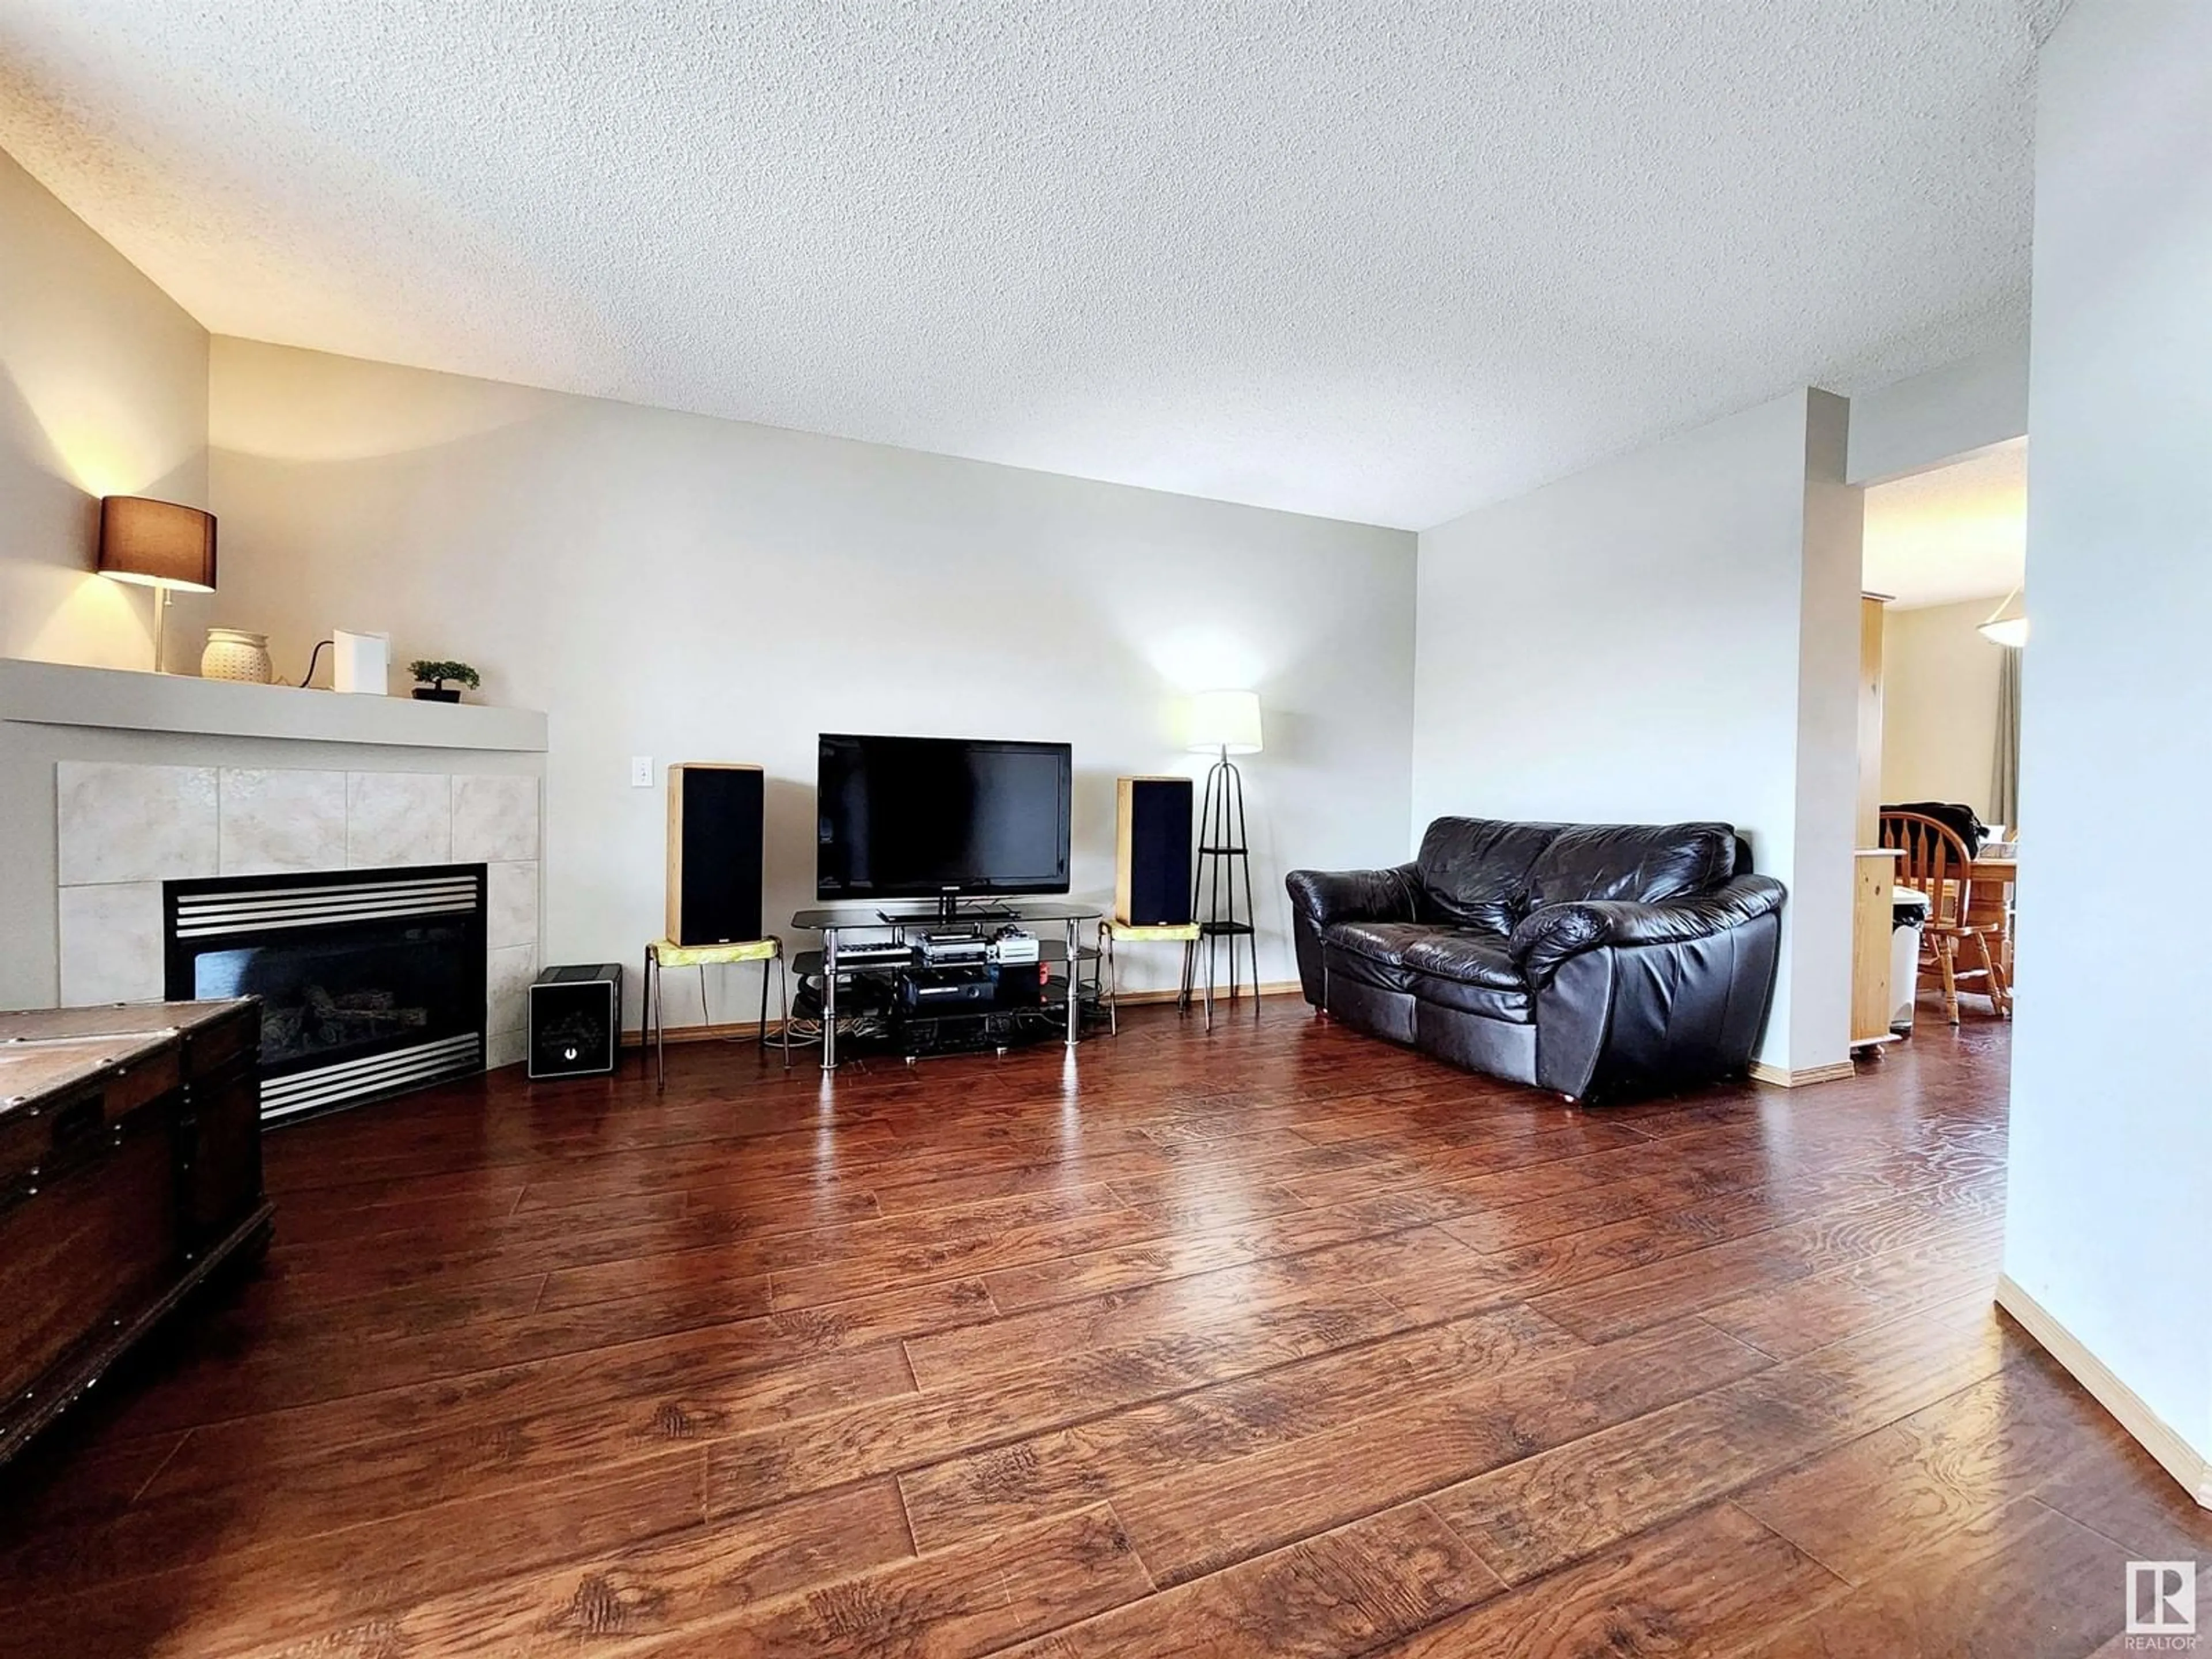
[{"x": 361, "y": 662}]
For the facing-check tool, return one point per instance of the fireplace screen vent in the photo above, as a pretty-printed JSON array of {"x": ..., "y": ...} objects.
[{"x": 260, "y": 909}]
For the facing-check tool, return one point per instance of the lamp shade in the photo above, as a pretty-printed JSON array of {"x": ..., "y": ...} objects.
[
  {"x": 157, "y": 542},
  {"x": 1225, "y": 720},
  {"x": 2008, "y": 624}
]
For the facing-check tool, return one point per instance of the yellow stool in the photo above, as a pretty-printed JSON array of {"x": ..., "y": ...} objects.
[
  {"x": 1184, "y": 934},
  {"x": 666, "y": 953}
]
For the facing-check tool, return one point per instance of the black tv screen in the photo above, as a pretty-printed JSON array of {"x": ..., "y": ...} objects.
[{"x": 903, "y": 818}]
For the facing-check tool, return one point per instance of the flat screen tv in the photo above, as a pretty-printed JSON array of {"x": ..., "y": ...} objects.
[{"x": 912, "y": 817}]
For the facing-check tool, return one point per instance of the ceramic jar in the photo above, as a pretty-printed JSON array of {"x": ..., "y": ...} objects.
[{"x": 233, "y": 653}]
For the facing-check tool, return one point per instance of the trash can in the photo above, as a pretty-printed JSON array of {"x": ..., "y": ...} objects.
[{"x": 1908, "y": 915}]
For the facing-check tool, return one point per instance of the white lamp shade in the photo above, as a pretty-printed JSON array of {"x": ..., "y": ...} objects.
[
  {"x": 1225, "y": 720},
  {"x": 2008, "y": 624}
]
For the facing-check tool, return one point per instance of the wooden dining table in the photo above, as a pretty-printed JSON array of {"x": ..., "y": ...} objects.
[{"x": 1990, "y": 897}]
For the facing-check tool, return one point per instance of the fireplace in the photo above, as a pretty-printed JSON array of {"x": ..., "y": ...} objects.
[{"x": 371, "y": 981}]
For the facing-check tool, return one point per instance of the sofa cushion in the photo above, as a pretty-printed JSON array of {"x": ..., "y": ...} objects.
[
  {"x": 1373, "y": 952},
  {"x": 1474, "y": 872},
  {"x": 1642, "y": 863},
  {"x": 1466, "y": 956},
  {"x": 1516, "y": 1007},
  {"x": 1472, "y": 972}
]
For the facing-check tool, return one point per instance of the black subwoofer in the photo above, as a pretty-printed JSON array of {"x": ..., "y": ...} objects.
[
  {"x": 575, "y": 1021},
  {"x": 713, "y": 852},
  {"x": 1151, "y": 851}
]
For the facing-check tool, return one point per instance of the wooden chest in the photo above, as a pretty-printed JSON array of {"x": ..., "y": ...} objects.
[{"x": 130, "y": 1170}]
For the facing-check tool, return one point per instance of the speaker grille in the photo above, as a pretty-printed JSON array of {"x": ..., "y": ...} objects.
[
  {"x": 714, "y": 843},
  {"x": 1155, "y": 883}
]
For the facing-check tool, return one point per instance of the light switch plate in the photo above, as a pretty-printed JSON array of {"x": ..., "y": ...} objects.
[{"x": 641, "y": 771}]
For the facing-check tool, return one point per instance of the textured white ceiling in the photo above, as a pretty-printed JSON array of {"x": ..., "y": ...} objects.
[
  {"x": 1379, "y": 262},
  {"x": 1959, "y": 533}
]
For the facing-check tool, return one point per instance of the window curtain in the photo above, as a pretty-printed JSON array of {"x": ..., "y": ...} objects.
[{"x": 2004, "y": 775}]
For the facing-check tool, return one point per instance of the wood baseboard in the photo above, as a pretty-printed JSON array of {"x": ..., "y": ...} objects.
[
  {"x": 2159, "y": 1438},
  {"x": 746, "y": 1030},
  {"x": 1811, "y": 1074},
  {"x": 1280, "y": 987}
]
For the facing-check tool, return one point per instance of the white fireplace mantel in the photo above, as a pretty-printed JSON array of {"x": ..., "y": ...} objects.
[{"x": 62, "y": 693}]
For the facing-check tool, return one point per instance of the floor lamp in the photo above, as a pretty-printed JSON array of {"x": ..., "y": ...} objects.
[{"x": 1222, "y": 724}]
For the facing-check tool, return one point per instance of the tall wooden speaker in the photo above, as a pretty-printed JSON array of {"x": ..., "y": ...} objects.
[
  {"x": 1151, "y": 851},
  {"x": 713, "y": 852}
]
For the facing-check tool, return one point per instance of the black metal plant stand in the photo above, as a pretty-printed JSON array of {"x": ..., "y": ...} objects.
[{"x": 1224, "y": 855}]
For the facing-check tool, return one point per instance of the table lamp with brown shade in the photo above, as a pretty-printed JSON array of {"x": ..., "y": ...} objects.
[{"x": 161, "y": 544}]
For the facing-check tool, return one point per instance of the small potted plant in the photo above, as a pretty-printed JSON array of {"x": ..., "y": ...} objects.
[{"x": 430, "y": 679}]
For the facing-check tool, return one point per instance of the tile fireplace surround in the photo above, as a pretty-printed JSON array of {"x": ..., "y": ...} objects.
[{"x": 145, "y": 778}]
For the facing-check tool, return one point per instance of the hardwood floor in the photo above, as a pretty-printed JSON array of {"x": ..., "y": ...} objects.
[{"x": 1277, "y": 1341}]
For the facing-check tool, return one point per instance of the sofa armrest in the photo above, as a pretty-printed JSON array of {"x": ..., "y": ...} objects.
[
  {"x": 1548, "y": 936},
  {"x": 1327, "y": 896},
  {"x": 1320, "y": 897}
]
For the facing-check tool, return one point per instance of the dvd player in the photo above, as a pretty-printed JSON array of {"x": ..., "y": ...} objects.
[
  {"x": 876, "y": 954},
  {"x": 952, "y": 949}
]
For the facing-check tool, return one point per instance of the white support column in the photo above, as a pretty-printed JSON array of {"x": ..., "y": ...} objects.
[{"x": 2108, "y": 1240}]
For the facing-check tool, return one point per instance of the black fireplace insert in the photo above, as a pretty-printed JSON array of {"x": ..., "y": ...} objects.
[{"x": 371, "y": 981}]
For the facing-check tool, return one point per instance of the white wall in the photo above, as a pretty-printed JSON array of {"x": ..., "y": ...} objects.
[
  {"x": 1815, "y": 988},
  {"x": 1939, "y": 694},
  {"x": 1930, "y": 419},
  {"x": 1629, "y": 645},
  {"x": 103, "y": 391},
  {"x": 696, "y": 589},
  {"x": 2109, "y": 1218}
]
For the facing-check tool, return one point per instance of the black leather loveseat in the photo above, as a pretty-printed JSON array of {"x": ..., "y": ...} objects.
[{"x": 1581, "y": 957}]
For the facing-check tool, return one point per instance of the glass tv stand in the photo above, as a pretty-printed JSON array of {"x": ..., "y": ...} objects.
[{"x": 840, "y": 928}]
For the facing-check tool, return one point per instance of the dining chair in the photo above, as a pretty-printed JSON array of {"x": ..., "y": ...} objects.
[{"x": 1936, "y": 863}]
